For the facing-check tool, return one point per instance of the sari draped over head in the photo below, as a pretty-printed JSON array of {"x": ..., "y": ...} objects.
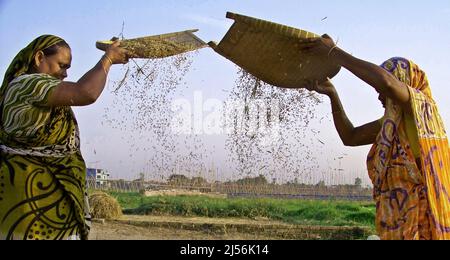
[
  {"x": 409, "y": 164},
  {"x": 42, "y": 172}
]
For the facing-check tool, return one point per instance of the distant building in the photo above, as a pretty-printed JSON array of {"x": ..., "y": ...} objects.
[{"x": 100, "y": 176}]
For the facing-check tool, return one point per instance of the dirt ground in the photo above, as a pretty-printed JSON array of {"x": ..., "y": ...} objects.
[
  {"x": 173, "y": 228},
  {"x": 119, "y": 231},
  {"x": 180, "y": 228}
]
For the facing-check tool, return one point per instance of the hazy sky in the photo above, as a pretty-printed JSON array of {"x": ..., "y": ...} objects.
[{"x": 372, "y": 30}]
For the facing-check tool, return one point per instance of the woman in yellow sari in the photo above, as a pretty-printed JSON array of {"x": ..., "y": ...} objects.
[
  {"x": 409, "y": 163},
  {"x": 42, "y": 171}
]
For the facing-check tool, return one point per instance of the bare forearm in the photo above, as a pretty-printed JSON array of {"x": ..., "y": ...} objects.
[
  {"x": 343, "y": 125},
  {"x": 374, "y": 75},
  {"x": 89, "y": 88},
  {"x": 384, "y": 82},
  {"x": 94, "y": 81}
]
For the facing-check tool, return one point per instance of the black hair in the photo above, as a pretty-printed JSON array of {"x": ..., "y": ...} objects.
[{"x": 52, "y": 50}]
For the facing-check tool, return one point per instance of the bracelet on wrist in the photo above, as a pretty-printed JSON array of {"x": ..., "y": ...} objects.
[
  {"x": 331, "y": 50},
  {"x": 108, "y": 59},
  {"x": 104, "y": 67}
]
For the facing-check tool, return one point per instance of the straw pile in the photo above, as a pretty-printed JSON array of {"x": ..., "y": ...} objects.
[{"x": 104, "y": 206}]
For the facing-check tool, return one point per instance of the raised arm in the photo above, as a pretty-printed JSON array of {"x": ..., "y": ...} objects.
[
  {"x": 88, "y": 89},
  {"x": 350, "y": 135},
  {"x": 381, "y": 80}
]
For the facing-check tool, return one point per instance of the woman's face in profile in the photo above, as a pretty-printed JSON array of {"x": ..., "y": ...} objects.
[{"x": 55, "y": 65}]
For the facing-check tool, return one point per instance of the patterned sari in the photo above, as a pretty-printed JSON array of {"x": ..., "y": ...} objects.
[
  {"x": 409, "y": 164},
  {"x": 42, "y": 172}
]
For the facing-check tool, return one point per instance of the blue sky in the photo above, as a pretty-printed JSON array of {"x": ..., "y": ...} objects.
[{"x": 372, "y": 30}]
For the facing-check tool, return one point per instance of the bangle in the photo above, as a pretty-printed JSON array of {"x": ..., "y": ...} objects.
[
  {"x": 331, "y": 50},
  {"x": 108, "y": 58},
  {"x": 104, "y": 68}
]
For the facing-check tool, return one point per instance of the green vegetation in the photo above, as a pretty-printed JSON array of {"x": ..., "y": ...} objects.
[{"x": 303, "y": 212}]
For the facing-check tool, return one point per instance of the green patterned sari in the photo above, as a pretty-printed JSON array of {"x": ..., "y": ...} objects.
[{"x": 42, "y": 172}]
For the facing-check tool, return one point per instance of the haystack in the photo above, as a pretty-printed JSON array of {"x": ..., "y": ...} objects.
[{"x": 103, "y": 206}]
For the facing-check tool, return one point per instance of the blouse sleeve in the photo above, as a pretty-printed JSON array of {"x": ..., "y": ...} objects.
[{"x": 35, "y": 89}]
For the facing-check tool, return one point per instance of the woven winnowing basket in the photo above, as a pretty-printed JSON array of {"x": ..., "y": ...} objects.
[
  {"x": 159, "y": 46},
  {"x": 270, "y": 52}
]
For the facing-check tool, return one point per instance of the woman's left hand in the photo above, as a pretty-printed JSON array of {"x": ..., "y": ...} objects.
[{"x": 326, "y": 88}]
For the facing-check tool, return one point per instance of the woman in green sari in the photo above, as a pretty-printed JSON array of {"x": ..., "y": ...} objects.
[{"x": 42, "y": 171}]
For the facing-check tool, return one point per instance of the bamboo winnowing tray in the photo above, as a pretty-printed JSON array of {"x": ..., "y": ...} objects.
[
  {"x": 270, "y": 52},
  {"x": 159, "y": 46}
]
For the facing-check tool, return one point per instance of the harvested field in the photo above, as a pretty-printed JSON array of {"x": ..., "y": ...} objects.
[{"x": 179, "y": 228}]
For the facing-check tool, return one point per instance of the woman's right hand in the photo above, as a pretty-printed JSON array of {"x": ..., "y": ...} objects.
[
  {"x": 326, "y": 88},
  {"x": 322, "y": 46},
  {"x": 117, "y": 54}
]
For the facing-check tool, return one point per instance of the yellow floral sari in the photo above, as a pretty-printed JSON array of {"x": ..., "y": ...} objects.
[{"x": 409, "y": 164}]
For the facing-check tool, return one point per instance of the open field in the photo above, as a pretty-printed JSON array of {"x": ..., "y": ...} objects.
[
  {"x": 184, "y": 228},
  {"x": 292, "y": 211},
  {"x": 210, "y": 218}
]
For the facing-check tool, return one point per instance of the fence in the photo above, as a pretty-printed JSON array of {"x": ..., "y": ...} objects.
[{"x": 292, "y": 191}]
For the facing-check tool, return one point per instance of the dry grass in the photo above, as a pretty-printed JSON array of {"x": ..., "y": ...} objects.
[{"x": 103, "y": 206}]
